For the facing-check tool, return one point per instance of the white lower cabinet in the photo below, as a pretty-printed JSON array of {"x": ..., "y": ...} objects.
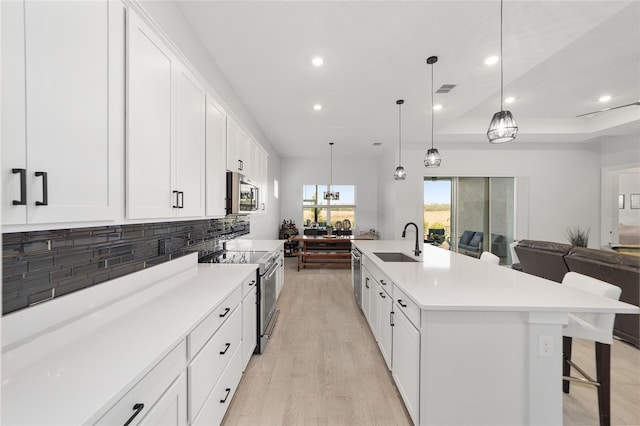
[
  {"x": 145, "y": 394},
  {"x": 206, "y": 368},
  {"x": 249, "y": 321},
  {"x": 385, "y": 324},
  {"x": 394, "y": 320},
  {"x": 171, "y": 409},
  {"x": 366, "y": 295},
  {"x": 406, "y": 362},
  {"x": 220, "y": 397}
]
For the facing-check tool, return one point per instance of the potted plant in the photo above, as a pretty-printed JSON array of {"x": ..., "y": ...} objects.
[{"x": 578, "y": 237}]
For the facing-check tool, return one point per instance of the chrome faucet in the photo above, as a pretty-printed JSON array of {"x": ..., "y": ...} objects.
[{"x": 417, "y": 250}]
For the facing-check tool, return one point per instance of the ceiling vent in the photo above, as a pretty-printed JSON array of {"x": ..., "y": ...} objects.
[{"x": 445, "y": 88}]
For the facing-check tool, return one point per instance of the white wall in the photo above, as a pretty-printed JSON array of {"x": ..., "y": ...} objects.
[
  {"x": 169, "y": 18},
  {"x": 562, "y": 184},
  {"x": 361, "y": 172}
]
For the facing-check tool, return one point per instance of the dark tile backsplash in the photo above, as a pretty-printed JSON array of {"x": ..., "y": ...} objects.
[{"x": 67, "y": 260}]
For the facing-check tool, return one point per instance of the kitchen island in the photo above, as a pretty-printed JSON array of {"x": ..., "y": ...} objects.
[{"x": 472, "y": 343}]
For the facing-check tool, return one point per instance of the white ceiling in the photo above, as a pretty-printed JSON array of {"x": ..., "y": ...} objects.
[{"x": 559, "y": 58}]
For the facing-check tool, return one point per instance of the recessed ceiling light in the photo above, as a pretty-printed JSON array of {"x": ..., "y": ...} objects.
[
  {"x": 491, "y": 60},
  {"x": 437, "y": 107},
  {"x": 509, "y": 100},
  {"x": 317, "y": 107},
  {"x": 605, "y": 98},
  {"x": 317, "y": 61}
]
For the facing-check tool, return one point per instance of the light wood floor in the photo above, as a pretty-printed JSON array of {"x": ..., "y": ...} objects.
[{"x": 323, "y": 367}]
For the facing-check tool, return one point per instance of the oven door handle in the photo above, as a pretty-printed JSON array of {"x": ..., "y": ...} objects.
[{"x": 273, "y": 270}]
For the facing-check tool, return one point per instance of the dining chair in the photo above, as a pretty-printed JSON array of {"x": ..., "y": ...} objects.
[
  {"x": 489, "y": 257},
  {"x": 594, "y": 327}
]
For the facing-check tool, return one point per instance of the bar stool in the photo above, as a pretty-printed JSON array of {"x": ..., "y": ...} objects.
[
  {"x": 489, "y": 257},
  {"x": 594, "y": 327}
]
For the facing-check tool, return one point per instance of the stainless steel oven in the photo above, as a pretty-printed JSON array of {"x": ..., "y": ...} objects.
[{"x": 267, "y": 270}]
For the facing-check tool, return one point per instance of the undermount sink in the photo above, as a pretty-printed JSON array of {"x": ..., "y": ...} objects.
[{"x": 395, "y": 257}]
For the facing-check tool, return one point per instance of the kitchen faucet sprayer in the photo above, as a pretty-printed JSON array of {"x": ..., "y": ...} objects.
[{"x": 417, "y": 250}]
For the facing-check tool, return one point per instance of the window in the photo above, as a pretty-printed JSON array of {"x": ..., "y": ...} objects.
[{"x": 315, "y": 209}]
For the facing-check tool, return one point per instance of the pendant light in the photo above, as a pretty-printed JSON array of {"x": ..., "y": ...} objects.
[
  {"x": 400, "y": 174},
  {"x": 330, "y": 195},
  {"x": 503, "y": 127},
  {"x": 432, "y": 159}
]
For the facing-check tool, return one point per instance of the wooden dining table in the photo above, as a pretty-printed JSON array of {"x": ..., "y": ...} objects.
[{"x": 325, "y": 250}]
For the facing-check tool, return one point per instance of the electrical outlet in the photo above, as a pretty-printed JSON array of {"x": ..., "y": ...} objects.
[
  {"x": 162, "y": 247},
  {"x": 545, "y": 346}
]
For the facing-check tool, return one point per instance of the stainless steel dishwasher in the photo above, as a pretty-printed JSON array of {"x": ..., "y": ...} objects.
[{"x": 356, "y": 273}]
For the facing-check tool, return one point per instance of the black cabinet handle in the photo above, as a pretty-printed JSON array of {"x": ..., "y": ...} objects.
[
  {"x": 252, "y": 283},
  {"x": 382, "y": 295},
  {"x": 176, "y": 205},
  {"x": 240, "y": 165},
  {"x": 226, "y": 311},
  {"x": 382, "y": 282},
  {"x": 391, "y": 319},
  {"x": 228, "y": 390},
  {"x": 137, "y": 407},
  {"x": 23, "y": 187},
  {"x": 45, "y": 189},
  {"x": 227, "y": 345},
  {"x": 181, "y": 195},
  {"x": 404, "y": 305}
]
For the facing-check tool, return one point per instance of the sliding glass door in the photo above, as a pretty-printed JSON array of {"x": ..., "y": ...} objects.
[{"x": 480, "y": 214}]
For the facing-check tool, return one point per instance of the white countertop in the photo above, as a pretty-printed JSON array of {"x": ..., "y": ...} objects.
[
  {"x": 47, "y": 383},
  {"x": 445, "y": 280},
  {"x": 254, "y": 245}
]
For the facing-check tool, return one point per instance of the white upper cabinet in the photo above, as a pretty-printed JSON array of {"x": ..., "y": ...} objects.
[
  {"x": 190, "y": 145},
  {"x": 234, "y": 164},
  {"x": 149, "y": 113},
  {"x": 62, "y": 111},
  {"x": 216, "y": 153},
  {"x": 166, "y": 125}
]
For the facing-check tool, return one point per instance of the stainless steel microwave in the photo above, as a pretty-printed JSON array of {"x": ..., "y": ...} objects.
[{"x": 242, "y": 195}]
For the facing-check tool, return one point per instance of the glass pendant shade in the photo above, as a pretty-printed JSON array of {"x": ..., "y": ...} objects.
[
  {"x": 432, "y": 159},
  {"x": 400, "y": 174},
  {"x": 331, "y": 195},
  {"x": 503, "y": 128}
]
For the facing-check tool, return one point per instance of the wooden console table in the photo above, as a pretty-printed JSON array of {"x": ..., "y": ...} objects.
[{"x": 325, "y": 250}]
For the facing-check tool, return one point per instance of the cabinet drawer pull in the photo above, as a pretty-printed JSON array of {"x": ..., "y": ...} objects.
[
  {"x": 227, "y": 345},
  {"x": 366, "y": 282},
  {"x": 404, "y": 305},
  {"x": 382, "y": 282},
  {"x": 382, "y": 295},
  {"x": 45, "y": 189},
  {"x": 226, "y": 311},
  {"x": 23, "y": 187},
  {"x": 176, "y": 205},
  {"x": 240, "y": 165},
  {"x": 228, "y": 390},
  {"x": 181, "y": 195},
  {"x": 252, "y": 283},
  {"x": 137, "y": 407},
  {"x": 391, "y": 319}
]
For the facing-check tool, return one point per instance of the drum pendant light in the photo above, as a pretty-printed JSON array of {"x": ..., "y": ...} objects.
[
  {"x": 503, "y": 127},
  {"x": 330, "y": 195},
  {"x": 432, "y": 159},
  {"x": 400, "y": 174}
]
